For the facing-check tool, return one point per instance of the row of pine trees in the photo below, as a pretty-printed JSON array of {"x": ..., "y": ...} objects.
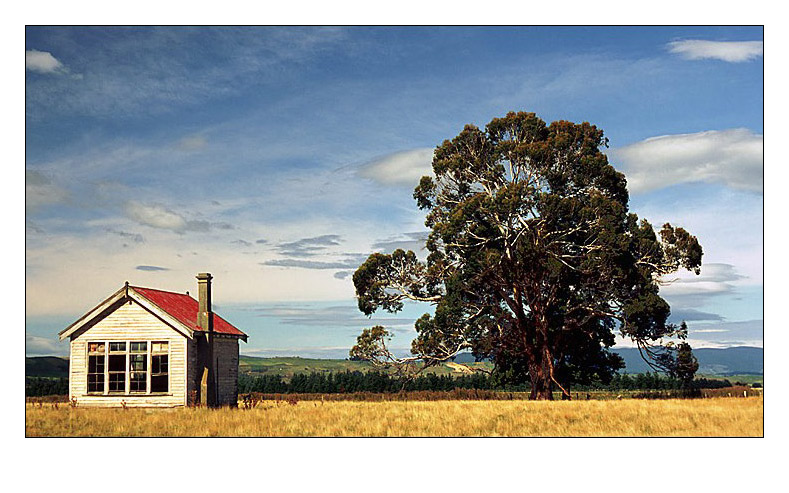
[{"x": 375, "y": 381}]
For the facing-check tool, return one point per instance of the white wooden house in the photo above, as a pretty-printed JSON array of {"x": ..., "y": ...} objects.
[{"x": 147, "y": 347}]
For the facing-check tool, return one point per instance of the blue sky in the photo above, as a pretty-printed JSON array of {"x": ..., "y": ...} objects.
[{"x": 279, "y": 158}]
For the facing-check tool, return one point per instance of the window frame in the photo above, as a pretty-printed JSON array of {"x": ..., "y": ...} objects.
[
  {"x": 148, "y": 364},
  {"x": 102, "y": 355},
  {"x": 160, "y": 353},
  {"x": 118, "y": 354}
]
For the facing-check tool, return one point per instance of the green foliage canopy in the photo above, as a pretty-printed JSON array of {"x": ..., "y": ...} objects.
[{"x": 534, "y": 259}]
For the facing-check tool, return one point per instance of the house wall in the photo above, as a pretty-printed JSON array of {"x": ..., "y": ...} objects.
[
  {"x": 225, "y": 368},
  {"x": 129, "y": 322},
  {"x": 192, "y": 376},
  {"x": 226, "y": 361}
]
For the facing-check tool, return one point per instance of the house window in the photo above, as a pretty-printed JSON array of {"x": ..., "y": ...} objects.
[
  {"x": 117, "y": 367},
  {"x": 159, "y": 367},
  {"x": 96, "y": 354},
  {"x": 128, "y": 367},
  {"x": 138, "y": 367}
]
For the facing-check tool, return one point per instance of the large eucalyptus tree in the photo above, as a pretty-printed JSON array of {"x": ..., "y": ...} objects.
[{"x": 534, "y": 259}]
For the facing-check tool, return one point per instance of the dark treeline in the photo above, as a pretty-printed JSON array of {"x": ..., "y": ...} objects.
[
  {"x": 355, "y": 381},
  {"x": 375, "y": 381},
  {"x": 656, "y": 381},
  {"x": 41, "y": 386}
]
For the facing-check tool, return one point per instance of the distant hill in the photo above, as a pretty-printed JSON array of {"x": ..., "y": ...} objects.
[
  {"x": 729, "y": 361},
  {"x": 289, "y": 366},
  {"x": 46, "y": 366}
]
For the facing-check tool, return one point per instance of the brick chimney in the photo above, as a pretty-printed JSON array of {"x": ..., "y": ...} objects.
[
  {"x": 205, "y": 343},
  {"x": 204, "y": 319}
]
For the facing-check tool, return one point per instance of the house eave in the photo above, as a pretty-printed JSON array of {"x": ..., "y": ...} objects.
[
  {"x": 126, "y": 292},
  {"x": 161, "y": 314},
  {"x": 241, "y": 336},
  {"x": 95, "y": 312}
]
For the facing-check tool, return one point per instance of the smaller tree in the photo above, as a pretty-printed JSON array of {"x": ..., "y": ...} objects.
[
  {"x": 685, "y": 365},
  {"x": 371, "y": 346}
]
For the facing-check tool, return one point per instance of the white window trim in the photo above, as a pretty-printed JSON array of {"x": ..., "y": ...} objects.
[
  {"x": 149, "y": 370},
  {"x": 150, "y": 373},
  {"x": 105, "y": 383}
]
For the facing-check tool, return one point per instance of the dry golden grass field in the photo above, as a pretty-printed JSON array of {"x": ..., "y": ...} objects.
[{"x": 729, "y": 417}]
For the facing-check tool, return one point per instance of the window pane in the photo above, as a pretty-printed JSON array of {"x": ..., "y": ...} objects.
[
  {"x": 159, "y": 378},
  {"x": 95, "y": 364},
  {"x": 96, "y": 382},
  {"x": 137, "y": 381},
  {"x": 116, "y": 347},
  {"x": 158, "y": 383},
  {"x": 138, "y": 362},
  {"x": 139, "y": 347},
  {"x": 159, "y": 363},
  {"x": 95, "y": 347},
  {"x": 159, "y": 347},
  {"x": 117, "y": 382},
  {"x": 96, "y": 374},
  {"x": 117, "y": 362}
]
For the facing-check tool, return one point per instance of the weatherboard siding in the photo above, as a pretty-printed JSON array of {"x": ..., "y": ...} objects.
[
  {"x": 226, "y": 366},
  {"x": 130, "y": 322},
  {"x": 226, "y": 359},
  {"x": 192, "y": 378}
]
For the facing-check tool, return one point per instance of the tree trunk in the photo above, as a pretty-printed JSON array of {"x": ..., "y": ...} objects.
[
  {"x": 541, "y": 384},
  {"x": 539, "y": 365}
]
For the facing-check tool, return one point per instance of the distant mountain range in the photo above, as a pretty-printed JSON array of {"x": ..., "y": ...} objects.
[
  {"x": 723, "y": 362},
  {"x": 728, "y": 361},
  {"x": 46, "y": 366}
]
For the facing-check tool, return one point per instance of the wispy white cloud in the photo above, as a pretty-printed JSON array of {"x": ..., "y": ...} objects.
[
  {"x": 691, "y": 314},
  {"x": 731, "y": 157},
  {"x": 156, "y": 216},
  {"x": 350, "y": 262},
  {"x": 713, "y": 273},
  {"x": 151, "y": 268},
  {"x": 42, "y": 346},
  {"x": 42, "y": 62},
  {"x": 718, "y": 334},
  {"x": 127, "y": 236},
  {"x": 728, "y": 51},
  {"x": 69, "y": 271},
  {"x": 414, "y": 241},
  {"x": 41, "y": 191},
  {"x": 715, "y": 279},
  {"x": 192, "y": 143},
  {"x": 152, "y": 70},
  {"x": 159, "y": 216},
  {"x": 345, "y": 315},
  {"x": 320, "y": 352},
  {"x": 307, "y": 247},
  {"x": 401, "y": 168},
  {"x": 714, "y": 297},
  {"x": 741, "y": 333}
]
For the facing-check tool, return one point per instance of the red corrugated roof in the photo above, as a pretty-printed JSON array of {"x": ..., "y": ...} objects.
[{"x": 184, "y": 308}]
